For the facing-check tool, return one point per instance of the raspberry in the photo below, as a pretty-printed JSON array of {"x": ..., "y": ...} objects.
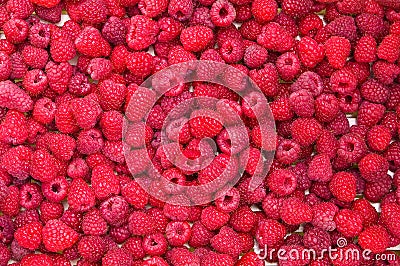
[
  {"x": 310, "y": 25},
  {"x": 16, "y": 30},
  {"x": 52, "y": 15},
  {"x": 43, "y": 166},
  {"x": 232, "y": 50},
  {"x": 36, "y": 260},
  {"x": 388, "y": 48},
  {"x": 320, "y": 168},
  {"x": 296, "y": 8},
  {"x": 376, "y": 190},
  {"x": 104, "y": 182},
  {"x": 178, "y": 233},
  {"x": 302, "y": 103},
  {"x": 80, "y": 196},
  {"x": 264, "y": 10},
  {"x": 310, "y": 52},
  {"x": 229, "y": 201},
  {"x": 352, "y": 148},
  {"x": 117, "y": 256},
  {"x": 385, "y": 72},
  {"x": 343, "y": 26},
  {"x": 99, "y": 68},
  {"x": 266, "y": 79},
  {"x": 94, "y": 224},
  {"x": 20, "y": 9},
  {"x": 374, "y": 91},
  {"x": 270, "y": 233},
  {"x": 337, "y": 49},
  {"x": 348, "y": 223},
  {"x": 288, "y": 152},
  {"x": 373, "y": 167},
  {"x": 370, "y": 114},
  {"x": 323, "y": 216},
  {"x": 135, "y": 195},
  {"x": 274, "y": 37},
  {"x": 366, "y": 50},
  {"x": 91, "y": 248},
  {"x": 30, "y": 196},
  {"x": 222, "y": 13},
  {"x": 288, "y": 66},
  {"x": 16, "y": 161},
  {"x": 389, "y": 215},
  {"x": 58, "y": 236},
  {"x": 200, "y": 235},
  {"x": 5, "y": 67},
  {"x": 243, "y": 220},
  {"x": 378, "y": 138},
  {"x": 155, "y": 245},
  {"x": 55, "y": 190},
  {"x": 86, "y": 112},
  {"x": 88, "y": 11},
  {"x": 58, "y": 76},
  {"x": 89, "y": 141},
  {"x": 5, "y": 255},
  {"x": 141, "y": 223},
  {"x": 141, "y": 33},
  {"x": 140, "y": 64},
  {"x": 152, "y": 8},
  {"x": 282, "y": 182},
  {"x": 317, "y": 239},
  {"x": 91, "y": 43},
  {"x": 374, "y": 238},
  {"x": 227, "y": 241},
  {"x": 13, "y": 129},
  {"x": 250, "y": 259},
  {"x": 29, "y": 236},
  {"x": 305, "y": 131},
  {"x": 114, "y": 210},
  {"x": 295, "y": 212},
  {"x": 12, "y": 97},
  {"x": 310, "y": 81},
  {"x": 213, "y": 219},
  {"x": 180, "y": 10},
  {"x": 213, "y": 258},
  {"x": 343, "y": 186},
  {"x": 10, "y": 207}
]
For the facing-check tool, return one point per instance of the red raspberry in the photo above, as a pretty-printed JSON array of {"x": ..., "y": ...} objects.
[
  {"x": 310, "y": 24},
  {"x": 343, "y": 186},
  {"x": 302, "y": 103},
  {"x": 274, "y": 37},
  {"x": 374, "y": 91},
  {"x": 367, "y": 211},
  {"x": 52, "y": 15},
  {"x": 141, "y": 223},
  {"x": 46, "y": 4},
  {"x": 264, "y": 10},
  {"x": 222, "y": 13},
  {"x": 213, "y": 258},
  {"x": 348, "y": 223},
  {"x": 14, "y": 128},
  {"x": 91, "y": 43},
  {"x": 114, "y": 31},
  {"x": 213, "y": 219},
  {"x": 255, "y": 56},
  {"x": 204, "y": 125},
  {"x": 378, "y": 138},
  {"x": 5, "y": 68},
  {"x": 178, "y": 233},
  {"x": 62, "y": 48},
  {"x": 170, "y": 28},
  {"x": 337, "y": 49},
  {"x": 373, "y": 167},
  {"x": 152, "y": 8},
  {"x": 365, "y": 50},
  {"x": 296, "y": 8},
  {"x": 80, "y": 196},
  {"x": 180, "y": 10},
  {"x": 142, "y": 32},
  {"x": 30, "y": 196},
  {"x": 200, "y": 236},
  {"x": 343, "y": 26},
  {"x": 323, "y": 215},
  {"x": 36, "y": 260},
  {"x": 140, "y": 64},
  {"x": 270, "y": 233},
  {"x": 94, "y": 224},
  {"x": 111, "y": 95},
  {"x": 243, "y": 220},
  {"x": 58, "y": 236},
  {"x": 250, "y": 29},
  {"x": 20, "y": 9},
  {"x": 305, "y": 131},
  {"x": 389, "y": 216},
  {"x": 86, "y": 112},
  {"x": 374, "y": 238},
  {"x": 35, "y": 82},
  {"x": 59, "y": 76},
  {"x": 317, "y": 239},
  {"x": 43, "y": 166},
  {"x": 295, "y": 212},
  {"x": 62, "y": 146},
  {"x": 99, "y": 68},
  {"x": 385, "y": 72},
  {"x": 288, "y": 66},
  {"x": 320, "y": 168},
  {"x": 111, "y": 125},
  {"x": 266, "y": 79},
  {"x": 282, "y": 182},
  {"x": 250, "y": 259},
  {"x": 232, "y": 50},
  {"x": 29, "y": 236},
  {"x": 10, "y": 207},
  {"x": 16, "y": 30},
  {"x": 310, "y": 52},
  {"x": 117, "y": 256},
  {"x": 90, "y": 141},
  {"x": 227, "y": 241},
  {"x": 91, "y": 248},
  {"x": 104, "y": 182},
  {"x": 88, "y": 11},
  {"x": 310, "y": 81},
  {"x": 16, "y": 161},
  {"x": 287, "y": 152},
  {"x": 370, "y": 114},
  {"x": 376, "y": 190},
  {"x": 35, "y": 57},
  {"x": 56, "y": 190},
  {"x": 12, "y": 97},
  {"x": 389, "y": 48}
]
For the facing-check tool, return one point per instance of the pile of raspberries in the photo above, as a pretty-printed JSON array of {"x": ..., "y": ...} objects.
[{"x": 67, "y": 196}]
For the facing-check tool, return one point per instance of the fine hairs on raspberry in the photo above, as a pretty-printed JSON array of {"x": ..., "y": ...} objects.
[{"x": 199, "y": 132}]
